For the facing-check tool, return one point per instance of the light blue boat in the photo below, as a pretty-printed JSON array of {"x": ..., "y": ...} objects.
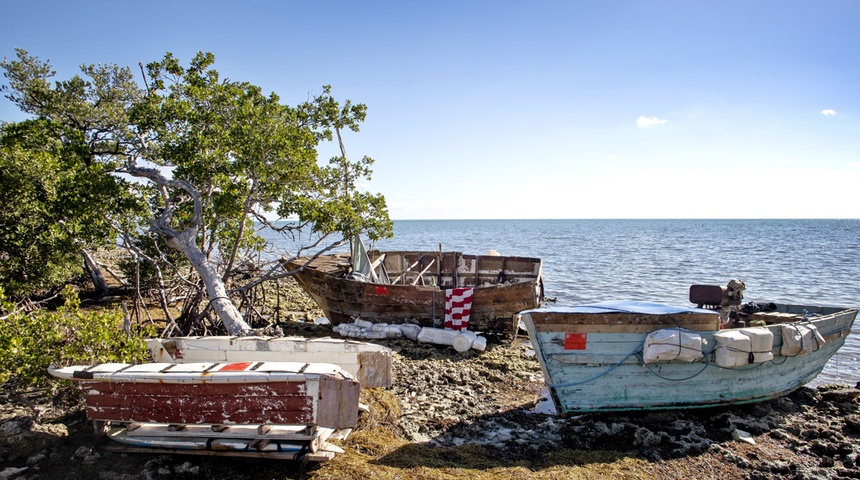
[{"x": 613, "y": 356}]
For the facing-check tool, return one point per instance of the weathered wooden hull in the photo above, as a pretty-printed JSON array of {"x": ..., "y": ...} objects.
[
  {"x": 593, "y": 362},
  {"x": 503, "y": 286},
  {"x": 236, "y": 393},
  {"x": 368, "y": 362}
]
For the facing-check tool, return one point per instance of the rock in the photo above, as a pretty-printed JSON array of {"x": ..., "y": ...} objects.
[
  {"x": 91, "y": 458},
  {"x": 187, "y": 469},
  {"x": 23, "y": 435},
  {"x": 646, "y": 438},
  {"x": 33, "y": 460},
  {"x": 743, "y": 436},
  {"x": 10, "y": 472},
  {"x": 81, "y": 452}
]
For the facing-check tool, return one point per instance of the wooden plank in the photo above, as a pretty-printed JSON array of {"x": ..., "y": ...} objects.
[
  {"x": 320, "y": 438},
  {"x": 256, "y": 403},
  {"x": 374, "y": 369},
  {"x": 120, "y": 414},
  {"x": 684, "y": 320},
  {"x": 279, "y": 402},
  {"x": 202, "y": 390},
  {"x": 249, "y": 431},
  {"x": 775, "y": 317},
  {"x": 119, "y": 448},
  {"x": 609, "y": 328},
  {"x": 223, "y": 447},
  {"x": 338, "y": 403},
  {"x": 596, "y": 360}
]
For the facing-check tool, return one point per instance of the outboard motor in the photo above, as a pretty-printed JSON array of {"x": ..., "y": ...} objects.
[{"x": 715, "y": 297}]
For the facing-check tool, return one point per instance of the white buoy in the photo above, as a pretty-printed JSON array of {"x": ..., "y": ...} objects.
[
  {"x": 437, "y": 336},
  {"x": 410, "y": 330},
  {"x": 362, "y": 323},
  {"x": 463, "y": 341},
  {"x": 391, "y": 331}
]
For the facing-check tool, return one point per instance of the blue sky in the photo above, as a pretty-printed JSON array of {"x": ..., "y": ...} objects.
[{"x": 515, "y": 109}]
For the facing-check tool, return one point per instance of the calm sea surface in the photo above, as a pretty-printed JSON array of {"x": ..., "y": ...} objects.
[{"x": 813, "y": 262}]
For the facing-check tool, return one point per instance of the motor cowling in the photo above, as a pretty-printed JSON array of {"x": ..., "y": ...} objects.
[{"x": 714, "y": 296}]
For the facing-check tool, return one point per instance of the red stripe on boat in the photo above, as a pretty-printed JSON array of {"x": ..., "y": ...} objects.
[{"x": 236, "y": 367}]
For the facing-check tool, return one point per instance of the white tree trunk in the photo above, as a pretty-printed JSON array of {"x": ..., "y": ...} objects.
[
  {"x": 95, "y": 272},
  {"x": 185, "y": 241},
  {"x": 215, "y": 288}
]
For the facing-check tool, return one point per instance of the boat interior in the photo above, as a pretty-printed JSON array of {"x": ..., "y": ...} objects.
[{"x": 452, "y": 269}]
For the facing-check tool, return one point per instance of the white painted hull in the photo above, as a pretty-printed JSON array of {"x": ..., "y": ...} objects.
[{"x": 368, "y": 362}]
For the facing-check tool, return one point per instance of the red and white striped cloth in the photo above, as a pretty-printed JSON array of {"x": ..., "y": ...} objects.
[{"x": 458, "y": 307}]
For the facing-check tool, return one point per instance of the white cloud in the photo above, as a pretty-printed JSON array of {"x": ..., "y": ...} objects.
[
  {"x": 828, "y": 112},
  {"x": 854, "y": 165},
  {"x": 648, "y": 122}
]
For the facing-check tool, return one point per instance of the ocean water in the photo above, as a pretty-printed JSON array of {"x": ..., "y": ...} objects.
[{"x": 813, "y": 262}]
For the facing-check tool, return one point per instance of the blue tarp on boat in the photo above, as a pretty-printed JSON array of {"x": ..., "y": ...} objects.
[{"x": 626, "y": 306}]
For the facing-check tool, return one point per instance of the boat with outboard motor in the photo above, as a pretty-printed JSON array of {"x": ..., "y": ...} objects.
[{"x": 622, "y": 356}]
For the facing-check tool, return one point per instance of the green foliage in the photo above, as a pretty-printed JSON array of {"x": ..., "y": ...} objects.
[
  {"x": 211, "y": 157},
  {"x": 29, "y": 343},
  {"x": 37, "y": 252},
  {"x": 247, "y": 153},
  {"x": 57, "y": 198}
]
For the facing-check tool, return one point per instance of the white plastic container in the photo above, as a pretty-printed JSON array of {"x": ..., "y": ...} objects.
[
  {"x": 463, "y": 341},
  {"x": 798, "y": 340},
  {"x": 410, "y": 331},
  {"x": 761, "y": 343},
  {"x": 672, "y": 345},
  {"x": 437, "y": 336},
  {"x": 733, "y": 349}
]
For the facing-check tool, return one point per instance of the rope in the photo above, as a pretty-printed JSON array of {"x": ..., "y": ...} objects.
[
  {"x": 706, "y": 363},
  {"x": 572, "y": 384}
]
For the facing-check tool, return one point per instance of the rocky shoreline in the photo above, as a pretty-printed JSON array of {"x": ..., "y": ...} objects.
[{"x": 477, "y": 415}]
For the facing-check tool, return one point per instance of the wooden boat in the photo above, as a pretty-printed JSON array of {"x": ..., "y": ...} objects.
[
  {"x": 252, "y": 408},
  {"x": 619, "y": 356},
  {"x": 410, "y": 286},
  {"x": 368, "y": 362}
]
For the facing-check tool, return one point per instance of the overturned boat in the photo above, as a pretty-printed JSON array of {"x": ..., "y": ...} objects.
[
  {"x": 622, "y": 356},
  {"x": 418, "y": 287},
  {"x": 283, "y": 410}
]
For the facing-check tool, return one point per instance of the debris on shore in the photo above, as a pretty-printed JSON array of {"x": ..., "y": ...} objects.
[{"x": 477, "y": 414}]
